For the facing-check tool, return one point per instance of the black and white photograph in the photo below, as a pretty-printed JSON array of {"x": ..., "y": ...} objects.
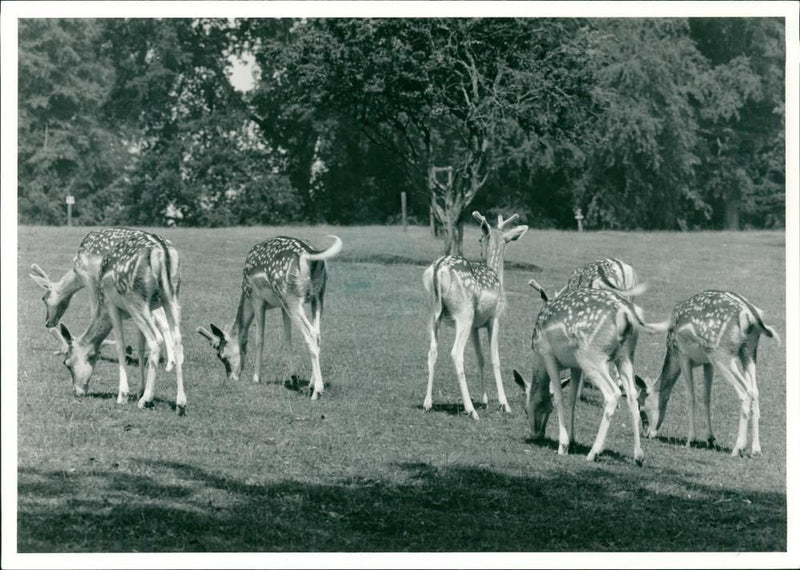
[{"x": 400, "y": 284}]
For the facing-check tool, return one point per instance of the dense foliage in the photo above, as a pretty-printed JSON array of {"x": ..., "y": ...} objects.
[{"x": 640, "y": 123}]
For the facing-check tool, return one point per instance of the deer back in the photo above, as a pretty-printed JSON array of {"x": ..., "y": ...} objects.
[
  {"x": 583, "y": 319},
  {"x": 713, "y": 320},
  {"x": 276, "y": 265}
]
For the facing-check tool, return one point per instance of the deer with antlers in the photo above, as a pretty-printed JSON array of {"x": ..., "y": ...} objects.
[
  {"x": 85, "y": 272},
  {"x": 719, "y": 330},
  {"x": 590, "y": 332},
  {"x": 470, "y": 296},
  {"x": 282, "y": 272},
  {"x": 137, "y": 275}
]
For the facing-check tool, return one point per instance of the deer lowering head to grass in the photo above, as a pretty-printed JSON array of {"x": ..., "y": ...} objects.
[
  {"x": 85, "y": 272},
  {"x": 280, "y": 273},
  {"x": 588, "y": 331},
  {"x": 720, "y": 331},
  {"x": 137, "y": 275},
  {"x": 470, "y": 296}
]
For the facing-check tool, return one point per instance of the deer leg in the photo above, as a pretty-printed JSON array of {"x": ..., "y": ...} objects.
[
  {"x": 708, "y": 376},
  {"x": 476, "y": 343},
  {"x": 433, "y": 329},
  {"x": 558, "y": 399},
  {"x": 581, "y": 385},
  {"x": 287, "y": 344},
  {"x": 749, "y": 365},
  {"x": 596, "y": 370},
  {"x": 298, "y": 316},
  {"x": 463, "y": 330},
  {"x": 316, "y": 312},
  {"x": 625, "y": 369},
  {"x": 576, "y": 377},
  {"x": 160, "y": 319},
  {"x": 142, "y": 378},
  {"x": 726, "y": 367},
  {"x": 688, "y": 374},
  {"x": 260, "y": 315},
  {"x": 494, "y": 339},
  {"x": 173, "y": 317},
  {"x": 116, "y": 322}
]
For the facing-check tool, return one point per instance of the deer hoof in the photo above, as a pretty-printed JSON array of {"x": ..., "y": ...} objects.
[
  {"x": 506, "y": 408},
  {"x": 315, "y": 395},
  {"x": 737, "y": 453},
  {"x": 639, "y": 462},
  {"x": 474, "y": 415},
  {"x": 256, "y": 379},
  {"x": 755, "y": 453},
  {"x": 145, "y": 405},
  {"x": 122, "y": 397},
  {"x": 181, "y": 410}
]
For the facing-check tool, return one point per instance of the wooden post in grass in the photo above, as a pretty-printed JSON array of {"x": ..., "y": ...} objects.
[
  {"x": 579, "y": 217},
  {"x": 403, "y": 210},
  {"x": 70, "y": 202}
]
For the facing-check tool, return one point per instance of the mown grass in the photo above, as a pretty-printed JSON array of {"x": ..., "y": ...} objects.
[{"x": 262, "y": 468}]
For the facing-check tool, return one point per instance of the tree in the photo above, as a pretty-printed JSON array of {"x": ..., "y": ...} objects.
[{"x": 64, "y": 148}]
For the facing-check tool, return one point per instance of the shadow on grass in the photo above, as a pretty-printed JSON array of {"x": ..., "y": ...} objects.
[
  {"x": 300, "y": 385},
  {"x": 681, "y": 441},
  {"x": 454, "y": 409},
  {"x": 164, "y": 506},
  {"x": 392, "y": 259}
]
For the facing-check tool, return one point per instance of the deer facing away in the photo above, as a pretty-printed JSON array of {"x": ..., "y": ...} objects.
[
  {"x": 285, "y": 273},
  {"x": 719, "y": 330},
  {"x": 470, "y": 296}
]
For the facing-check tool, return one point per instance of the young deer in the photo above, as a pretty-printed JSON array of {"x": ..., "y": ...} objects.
[
  {"x": 607, "y": 273},
  {"x": 471, "y": 296},
  {"x": 85, "y": 272},
  {"x": 720, "y": 331},
  {"x": 282, "y": 272},
  {"x": 584, "y": 330},
  {"x": 137, "y": 275}
]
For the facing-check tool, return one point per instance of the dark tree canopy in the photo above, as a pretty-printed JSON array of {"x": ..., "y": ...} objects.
[{"x": 640, "y": 123}]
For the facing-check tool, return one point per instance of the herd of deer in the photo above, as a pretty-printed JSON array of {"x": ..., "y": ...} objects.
[{"x": 590, "y": 327}]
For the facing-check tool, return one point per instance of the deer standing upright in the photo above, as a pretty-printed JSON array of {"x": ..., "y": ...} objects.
[
  {"x": 584, "y": 330},
  {"x": 282, "y": 272},
  {"x": 470, "y": 295},
  {"x": 719, "y": 330},
  {"x": 137, "y": 275}
]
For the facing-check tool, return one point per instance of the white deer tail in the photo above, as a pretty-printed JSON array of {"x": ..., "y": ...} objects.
[
  {"x": 651, "y": 328},
  {"x": 332, "y": 251}
]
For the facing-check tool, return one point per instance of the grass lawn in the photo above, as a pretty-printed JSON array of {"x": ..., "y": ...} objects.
[{"x": 259, "y": 467}]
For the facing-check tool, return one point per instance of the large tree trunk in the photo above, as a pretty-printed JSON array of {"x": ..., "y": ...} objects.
[{"x": 732, "y": 214}]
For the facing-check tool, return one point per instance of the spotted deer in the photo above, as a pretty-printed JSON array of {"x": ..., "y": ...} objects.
[
  {"x": 470, "y": 296},
  {"x": 607, "y": 273},
  {"x": 589, "y": 331},
  {"x": 136, "y": 276},
  {"x": 285, "y": 273},
  {"x": 85, "y": 272},
  {"x": 719, "y": 330}
]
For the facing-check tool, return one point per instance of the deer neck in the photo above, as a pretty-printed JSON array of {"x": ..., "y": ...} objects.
[
  {"x": 69, "y": 284},
  {"x": 494, "y": 259},
  {"x": 97, "y": 331},
  {"x": 242, "y": 322}
]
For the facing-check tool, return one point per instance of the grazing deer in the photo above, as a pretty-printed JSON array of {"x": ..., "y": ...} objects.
[
  {"x": 282, "y": 272},
  {"x": 137, "y": 275},
  {"x": 586, "y": 331},
  {"x": 607, "y": 273},
  {"x": 720, "y": 331},
  {"x": 85, "y": 272},
  {"x": 470, "y": 295}
]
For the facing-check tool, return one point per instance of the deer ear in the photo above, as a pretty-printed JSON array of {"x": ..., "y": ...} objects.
[
  {"x": 41, "y": 281},
  {"x": 65, "y": 334},
  {"x": 217, "y": 332},
  {"x": 519, "y": 379},
  {"x": 515, "y": 233}
]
